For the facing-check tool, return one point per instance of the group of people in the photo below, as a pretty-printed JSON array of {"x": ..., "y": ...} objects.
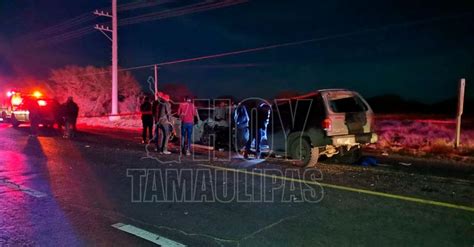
[
  {"x": 251, "y": 125},
  {"x": 157, "y": 115}
]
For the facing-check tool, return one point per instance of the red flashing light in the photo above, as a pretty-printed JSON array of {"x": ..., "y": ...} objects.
[
  {"x": 37, "y": 94},
  {"x": 42, "y": 102}
]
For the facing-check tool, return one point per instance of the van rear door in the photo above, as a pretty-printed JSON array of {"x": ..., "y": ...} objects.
[{"x": 348, "y": 113}]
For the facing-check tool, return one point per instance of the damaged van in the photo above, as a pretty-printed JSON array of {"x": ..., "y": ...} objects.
[{"x": 323, "y": 123}]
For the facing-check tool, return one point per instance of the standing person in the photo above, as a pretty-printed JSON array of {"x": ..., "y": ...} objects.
[
  {"x": 241, "y": 119},
  {"x": 258, "y": 125},
  {"x": 34, "y": 116},
  {"x": 221, "y": 113},
  {"x": 162, "y": 115},
  {"x": 186, "y": 112},
  {"x": 71, "y": 111},
  {"x": 147, "y": 119}
]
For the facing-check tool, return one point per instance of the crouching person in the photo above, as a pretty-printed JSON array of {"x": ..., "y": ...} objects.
[{"x": 162, "y": 114}]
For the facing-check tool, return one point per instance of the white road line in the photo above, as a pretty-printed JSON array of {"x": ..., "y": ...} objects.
[
  {"x": 154, "y": 238},
  {"x": 22, "y": 188}
]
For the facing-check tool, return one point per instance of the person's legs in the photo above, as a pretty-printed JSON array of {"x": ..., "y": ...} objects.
[
  {"x": 183, "y": 136},
  {"x": 155, "y": 138},
  {"x": 187, "y": 131},
  {"x": 68, "y": 128},
  {"x": 144, "y": 125},
  {"x": 248, "y": 144},
  {"x": 159, "y": 137},
  {"x": 258, "y": 140},
  {"x": 34, "y": 127},
  {"x": 74, "y": 124},
  {"x": 150, "y": 130},
  {"x": 165, "y": 137},
  {"x": 71, "y": 128}
]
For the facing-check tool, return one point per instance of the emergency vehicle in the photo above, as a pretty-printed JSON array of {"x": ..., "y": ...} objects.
[{"x": 20, "y": 104}]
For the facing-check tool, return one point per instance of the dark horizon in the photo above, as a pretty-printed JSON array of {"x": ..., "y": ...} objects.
[{"x": 416, "y": 50}]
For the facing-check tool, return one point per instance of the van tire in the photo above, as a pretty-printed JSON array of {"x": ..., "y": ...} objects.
[{"x": 306, "y": 155}]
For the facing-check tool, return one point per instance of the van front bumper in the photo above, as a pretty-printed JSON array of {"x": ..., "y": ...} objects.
[{"x": 354, "y": 139}]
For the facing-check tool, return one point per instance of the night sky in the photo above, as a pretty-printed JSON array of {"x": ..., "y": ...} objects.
[{"x": 417, "y": 49}]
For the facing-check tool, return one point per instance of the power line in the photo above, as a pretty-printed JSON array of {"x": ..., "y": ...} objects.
[
  {"x": 62, "y": 26},
  {"x": 193, "y": 8},
  {"x": 137, "y": 5},
  {"x": 300, "y": 42},
  {"x": 81, "y": 19},
  {"x": 189, "y": 9},
  {"x": 64, "y": 37}
]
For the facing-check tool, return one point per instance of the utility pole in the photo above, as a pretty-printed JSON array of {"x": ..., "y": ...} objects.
[
  {"x": 103, "y": 29},
  {"x": 156, "y": 82},
  {"x": 462, "y": 86}
]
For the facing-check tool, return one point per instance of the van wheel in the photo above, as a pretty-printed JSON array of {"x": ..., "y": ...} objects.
[
  {"x": 14, "y": 121},
  {"x": 303, "y": 152}
]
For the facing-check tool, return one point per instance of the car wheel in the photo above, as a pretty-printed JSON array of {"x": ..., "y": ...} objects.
[
  {"x": 306, "y": 155},
  {"x": 14, "y": 121}
]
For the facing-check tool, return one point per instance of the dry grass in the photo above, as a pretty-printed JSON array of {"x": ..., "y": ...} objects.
[{"x": 423, "y": 137}]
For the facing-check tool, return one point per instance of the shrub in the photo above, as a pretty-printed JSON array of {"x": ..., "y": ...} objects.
[{"x": 91, "y": 88}]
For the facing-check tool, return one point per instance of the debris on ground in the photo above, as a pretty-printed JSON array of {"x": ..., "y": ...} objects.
[{"x": 367, "y": 161}]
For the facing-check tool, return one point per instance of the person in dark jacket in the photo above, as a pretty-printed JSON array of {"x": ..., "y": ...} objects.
[
  {"x": 241, "y": 119},
  {"x": 258, "y": 126},
  {"x": 147, "y": 119},
  {"x": 163, "y": 126},
  {"x": 71, "y": 111},
  {"x": 34, "y": 115}
]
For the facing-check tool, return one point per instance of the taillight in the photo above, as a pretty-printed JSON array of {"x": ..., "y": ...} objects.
[
  {"x": 326, "y": 124},
  {"x": 42, "y": 102}
]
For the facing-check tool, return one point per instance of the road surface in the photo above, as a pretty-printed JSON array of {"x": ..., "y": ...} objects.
[{"x": 104, "y": 188}]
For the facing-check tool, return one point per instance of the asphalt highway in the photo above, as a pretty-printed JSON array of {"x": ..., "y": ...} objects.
[{"x": 104, "y": 188}]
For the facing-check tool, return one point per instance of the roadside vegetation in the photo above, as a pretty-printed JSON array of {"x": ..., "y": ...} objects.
[
  {"x": 90, "y": 87},
  {"x": 423, "y": 137}
]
